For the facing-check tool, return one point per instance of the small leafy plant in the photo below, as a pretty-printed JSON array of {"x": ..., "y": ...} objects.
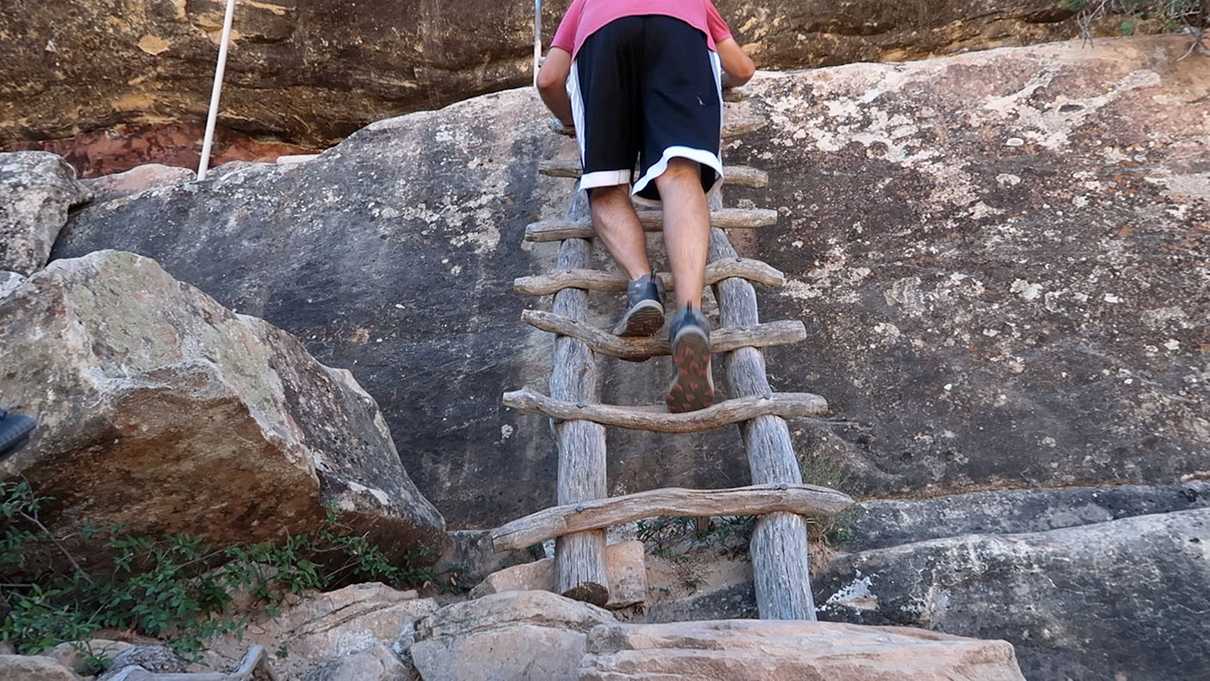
[{"x": 173, "y": 587}]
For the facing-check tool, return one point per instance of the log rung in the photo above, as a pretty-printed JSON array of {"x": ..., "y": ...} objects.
[
  {"x": 652, "y": 221},
  {"x": 736, "y": 176},
  {"x": 597, "y": 514},
  {"x": 639, "y": 349},
  {"x": 613, "y": 282},
  {"x": 656, "y": 419}
]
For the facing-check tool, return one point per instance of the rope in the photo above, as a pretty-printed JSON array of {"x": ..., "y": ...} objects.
[{"x": 537, "y": 39}]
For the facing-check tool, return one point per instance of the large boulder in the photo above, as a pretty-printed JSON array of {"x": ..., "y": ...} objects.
[
  {"x": 164, "y": 412},
  {"x": 117, "y": 83},
  {"x": 513, "y": 636},
  {"x": 739, "y": 650},
  {"x": 991, "y": 300},
  {"x": 36, "y": 191},
  {"x": 1119, "y": 599},
  {"x": 34, "y": 668}
]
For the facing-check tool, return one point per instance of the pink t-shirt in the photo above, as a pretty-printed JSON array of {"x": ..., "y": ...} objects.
[{"x": 586, "y": 17}]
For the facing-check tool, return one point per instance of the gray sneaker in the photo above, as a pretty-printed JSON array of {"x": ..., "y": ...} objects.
[
  {"x": 644, "y": 307},
  {"x": 693, "y": 387}
]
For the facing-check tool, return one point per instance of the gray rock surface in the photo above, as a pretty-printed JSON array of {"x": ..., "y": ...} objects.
[
  {"x": 36, "y": 191},
  {"x": 1119, "y": 599},
  {"x": 789, "y": 651},
  {"x": 34, "y": 668},
  {"x": 9, "y": 282},
  {"x": 186, "y": 417},
  {"x": 149, "y": 658},
  {"x": 880, "y": 524},
  {"x": 514, "y": 636},
  {"x": 989, "y": 296},
  {"x": 376, "y": 664},
  {"x": 137, "y": 179}
]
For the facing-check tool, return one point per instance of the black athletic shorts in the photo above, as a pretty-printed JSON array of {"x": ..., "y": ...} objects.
[{"x": 647, "y": 88}]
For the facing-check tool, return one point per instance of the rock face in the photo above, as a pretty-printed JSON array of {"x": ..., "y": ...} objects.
[
  {"x": 136, "y": 180},
  {"x": 186, "y": 417},
  {"x": 131, "y": 79},
  {"x": 989, "y": 296},
  {"x": 775, "y": 651},
  {"x": 1118, "y": 599},
  {"x": 514, "y": 636},
  {"x": 34, "y": 668},
  {"x": 343, "y": 634},
  {"x": 36, "y": 190}
]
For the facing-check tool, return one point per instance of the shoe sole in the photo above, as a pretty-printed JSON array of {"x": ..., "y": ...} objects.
[
  {"x": 644, "y": 319},
  {"x": 693, "y": 387}
]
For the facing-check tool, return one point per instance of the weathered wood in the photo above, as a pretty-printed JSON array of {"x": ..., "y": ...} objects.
[
  {"x": 603, "y": 513},
  {"x": 599, "y": 280},
  {"x": 638, "y": 349},
  {"x": 579, "y": 558},
  {"x": 779, "y": 542},
  {"x": 652, "y": 221},
  {"x": 736, "y": 176},
  {"x": 654, "y": 418},
  {"x": 252, "y": 660}
]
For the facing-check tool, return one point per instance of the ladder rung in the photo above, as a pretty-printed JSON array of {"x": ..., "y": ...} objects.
[
  {"x": 601, "y": 513},
  {"x": 737, "y": 176},
  {"x": 598, "y": 280},
  {"x": 639, "y": 349},
  {"x": 652, "y": 221},
  {"x": 656, "y": 419}
]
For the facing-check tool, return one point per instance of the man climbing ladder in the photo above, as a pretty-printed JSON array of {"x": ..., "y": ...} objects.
[{"x": 642, "y": 80}]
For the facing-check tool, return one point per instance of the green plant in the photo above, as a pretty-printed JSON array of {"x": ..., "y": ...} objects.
[
  {"x": 171, "y": 587},
  {"x": 1189, "y": 16}
]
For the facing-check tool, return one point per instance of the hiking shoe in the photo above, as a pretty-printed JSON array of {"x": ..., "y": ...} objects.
[
  {"x": 14, "y": 431},
  {"x": 644, "y": 307},
  {"x": 693, "y": 387}
]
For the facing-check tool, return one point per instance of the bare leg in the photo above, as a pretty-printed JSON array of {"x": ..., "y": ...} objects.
[
  {"x": 686, "y": 229},
  {"x": 617, "y": 225}
]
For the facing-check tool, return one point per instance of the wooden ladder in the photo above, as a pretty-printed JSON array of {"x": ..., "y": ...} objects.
[{"x": 779, "y": 542}]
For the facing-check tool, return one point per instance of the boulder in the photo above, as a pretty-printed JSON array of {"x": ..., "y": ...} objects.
[
  {"x": 137, "y": 179},
  {"x": 135, "y": 91},
  {"x": 142, "y": 658},
  {"x": 739, "y": 650},
  {"x": 34, "y": 668},
  {"x": 75, "y": 654},
  {"x": 376, "y": 664},
  {"x": 624, "y": 565},
  {"x": 330, "y": 635},
  {"x": 36, "y": 191},
  {"x": 513, "y": 636},
  {"x": 1118, "y": 599},
  {"x": 164, "y": 412}
]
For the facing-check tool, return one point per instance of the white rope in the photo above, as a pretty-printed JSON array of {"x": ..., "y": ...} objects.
[
  {"x": 537, "y": 39},
  {"x": 217, "y": 91}
]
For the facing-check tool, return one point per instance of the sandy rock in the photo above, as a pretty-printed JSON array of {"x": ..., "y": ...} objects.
[
  {"x": 36, "y": 191},
  {"x": 241, "y": 434},
  {"x": 513, "y": 636},
  {"x": 624, "y": 565},
  {"x": 916, "y": 296},
  {"x": 34, "y": 668},
  {"x": 135, "y": 180},
  {"x": 1117, "y": 599},
  {"x": 322, "y": 630},
  {"x": 73, "y": 655},
  {"x": 376, "y": 664},
  {"x": 740, "y": 650}
]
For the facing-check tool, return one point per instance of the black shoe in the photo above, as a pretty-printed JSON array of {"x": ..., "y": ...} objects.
[
  {"x": 14, "y": 431},
  {"x": 644, "y": 307},
  {"x": 693, "y": 387}
]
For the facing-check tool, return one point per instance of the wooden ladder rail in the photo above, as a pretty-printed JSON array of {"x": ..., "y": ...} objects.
[
  {"x": 779, "y": 548},
  {"x": 580, "y": 557}
]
